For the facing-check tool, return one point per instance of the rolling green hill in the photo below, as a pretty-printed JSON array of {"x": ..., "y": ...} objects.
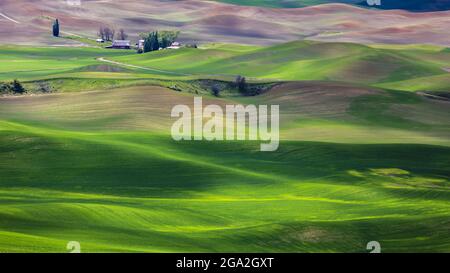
[
  {"x": 97, "y": 164},
  {"x": 305, "y": 60},
  {"x": 74, "y": 170},
  {"x": 377, "y": 65},
  {"x": 39, "y": 62}
]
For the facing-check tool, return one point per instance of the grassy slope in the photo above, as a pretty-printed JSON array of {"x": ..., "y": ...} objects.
[
  {"x": 39, "y": 62},
  {"x": 307, "y": 60},
  {"x": 384, "y": 66},
  {"x": 304, "y": 200},
  {"x": 112, "y": 190},
  {"x": 93, "y": 166}
]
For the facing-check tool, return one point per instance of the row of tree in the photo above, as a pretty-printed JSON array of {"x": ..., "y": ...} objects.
[
  {"x": 14, "y": 87},
  {"x": 107, "y": 34},
  {"x": 152, "y": 41},
  {"x": 156, "y": 40}
]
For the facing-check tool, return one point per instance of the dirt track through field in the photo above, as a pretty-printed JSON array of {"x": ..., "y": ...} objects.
[
  {"x": 144, "y": 68},
  {"x": 171, "y": 72}
]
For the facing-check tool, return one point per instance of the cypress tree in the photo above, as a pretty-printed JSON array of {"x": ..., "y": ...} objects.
[
  {"x": 155, "y": 44},
  {"x": 148, "y": 44},
  {"x": 56, "y": 28}
]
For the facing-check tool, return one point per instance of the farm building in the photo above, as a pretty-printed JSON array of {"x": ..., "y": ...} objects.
[
  {"x": 175, "y": 45},
  {"x": 140, "y": 44},
  {"x": 121, "y": 44}
]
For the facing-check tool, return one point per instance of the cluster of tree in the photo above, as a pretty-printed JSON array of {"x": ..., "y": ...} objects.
[
  {"x": 14, "y": 87},
  {"x": 106, "y": 33},
  {"x": 241, "y": 84},
  {"x": 217, "y": 87},
  {"x": 168, "y": 37},
  {"x": 122, "y": 34},
  {"x": 251, "y": 89},
  {"x": 151, "y": 42},
  {"x": 156, "y": 40},
  {"x": 56, "y": 28}
]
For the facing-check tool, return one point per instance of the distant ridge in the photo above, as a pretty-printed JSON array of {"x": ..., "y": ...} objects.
[
  {"x": 410, "y": 5},
  {"x": 209, "y": 21}
]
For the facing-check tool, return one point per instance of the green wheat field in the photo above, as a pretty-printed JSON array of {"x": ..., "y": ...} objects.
[{"x": 364, "y": 155}]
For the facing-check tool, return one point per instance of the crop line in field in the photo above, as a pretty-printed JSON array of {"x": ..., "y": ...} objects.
[{"x": 9, "y": 18}]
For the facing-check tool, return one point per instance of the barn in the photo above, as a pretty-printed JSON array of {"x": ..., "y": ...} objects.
[{"x": 121, "y": 44}]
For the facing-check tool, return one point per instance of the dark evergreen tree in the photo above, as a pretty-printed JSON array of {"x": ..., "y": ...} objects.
[
  {"x": 147, "y": 47},
  {"x": 215, "y": 90},
  {"x": 17, "y": 87},
  {"x": 56, "y": 28},
  {"x": 237, "y": 81},
  {"x": 242, "y": 85},
  {"x": 155, "y": 41},
  {"x": 148, "y": 43}
]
